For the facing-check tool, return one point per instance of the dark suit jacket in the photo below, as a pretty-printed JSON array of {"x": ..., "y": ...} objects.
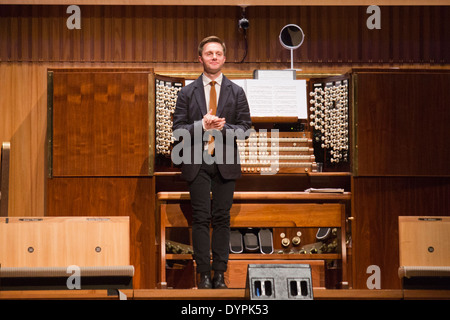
[{"x": 189, "y": 111}]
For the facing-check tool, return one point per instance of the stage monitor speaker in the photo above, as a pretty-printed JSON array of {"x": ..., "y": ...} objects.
[{"x": 279, "y": 282}]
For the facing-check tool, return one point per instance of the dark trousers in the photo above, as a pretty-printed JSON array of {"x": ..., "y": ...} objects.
[{"x": 207, "y": 213}]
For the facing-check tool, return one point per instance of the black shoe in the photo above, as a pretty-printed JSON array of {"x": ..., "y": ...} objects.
[
  {"x": 205, "y": 281},
  {"x": 219, "y": 280}
]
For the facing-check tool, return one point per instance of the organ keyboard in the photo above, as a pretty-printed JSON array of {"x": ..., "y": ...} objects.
[{"x": 277, "y": 152}]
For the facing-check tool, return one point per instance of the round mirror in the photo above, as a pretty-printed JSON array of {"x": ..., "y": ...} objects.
[{"x": 291, "y": 36}]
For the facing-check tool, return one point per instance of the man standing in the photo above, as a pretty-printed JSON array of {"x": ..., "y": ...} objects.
[{"x": 211, "y": 109}]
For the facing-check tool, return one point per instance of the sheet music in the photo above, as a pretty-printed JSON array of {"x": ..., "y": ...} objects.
[
  {"x": 325, "y": 190},
  {"x": 272, "y": 98}
]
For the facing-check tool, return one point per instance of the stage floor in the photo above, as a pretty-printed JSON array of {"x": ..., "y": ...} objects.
[{"x": 222, "y": 294}]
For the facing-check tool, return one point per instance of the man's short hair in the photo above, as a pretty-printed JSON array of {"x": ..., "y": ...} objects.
[{"x": 211, "y": 39}]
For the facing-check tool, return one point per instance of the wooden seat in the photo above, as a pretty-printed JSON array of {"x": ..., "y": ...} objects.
[
  {"x": 424, "y": 247},
  {"x": 43, "y": 252}
]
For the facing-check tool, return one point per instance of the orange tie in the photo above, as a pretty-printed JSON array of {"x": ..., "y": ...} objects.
[{"x": 213, "y": 107}]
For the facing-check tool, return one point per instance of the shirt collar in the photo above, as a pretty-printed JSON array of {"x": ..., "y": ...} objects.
[{"x": 207, "y": 80}]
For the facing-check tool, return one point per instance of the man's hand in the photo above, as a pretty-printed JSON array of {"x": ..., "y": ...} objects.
[{"x": 213, "y": 122}]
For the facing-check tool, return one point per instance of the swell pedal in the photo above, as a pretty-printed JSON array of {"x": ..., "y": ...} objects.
[
  {"x": 250, "y": 242},
  {"x": 265, "y": 241},
  {"x": 323, "y": 233},
  {"x": 236, "y": 242}
]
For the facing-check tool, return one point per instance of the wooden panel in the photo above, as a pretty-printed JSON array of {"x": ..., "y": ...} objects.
[
  {"x": 61, "y": 242},
  {"x": 131, "y": 197},
  {"x": 377, "y": 204},
  {"x": 228, "y": 2},
  {"x": 424, "y": 241},
  {"x": 23, "y": 122},
  {"x": 100, "y": 122},
  {"x": 264, "y": 196},
  {"x": 402, "y": 123},
  {"x": 236, "y": 274},
  {"x": 285, "y": 215},
  {"x": 275, "y": 215},
  {"x": 23, "y": 106},
  {"x": 333, "y": 34}
]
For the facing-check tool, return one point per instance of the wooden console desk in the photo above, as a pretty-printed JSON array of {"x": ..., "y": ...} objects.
[{"x": 263, "y": 210}]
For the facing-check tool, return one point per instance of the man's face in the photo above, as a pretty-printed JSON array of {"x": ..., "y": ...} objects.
[{"x": 212, "y": 57}]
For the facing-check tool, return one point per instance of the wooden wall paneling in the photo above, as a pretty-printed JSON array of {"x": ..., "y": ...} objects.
[
  {"x": 305, "y": 50},
  {"x": 158, "y": 38},
  {"x": 414, "y": 32},
  {"x": 444, "y": 34},
  {"x": 23, "y": 99},
  {"x": 394, "y": 35},
  {"x": 113, "y": 196},
  {"x": 425, "y": 25},
  {"x": 255, "y": 3},
  {"x": 400, "y": 162},
  {"x": 324, "y": 36},
  {"x": 23, "y": 123},
  {"x": 100, "y": 122},
  {"x": 334, "y": 34},
  {"x": 106, "y": 40},
  {"x": 377, "y": 204},
  {"x": 312, "y": 31},
  {"x": 402, "y": 123},
  {"x": 334, "y": 14}
]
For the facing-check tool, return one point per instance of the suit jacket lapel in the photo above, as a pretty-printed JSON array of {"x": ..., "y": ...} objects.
[
  {"x": 199, "y": 94},
  {"x": 225, "y": 91}
]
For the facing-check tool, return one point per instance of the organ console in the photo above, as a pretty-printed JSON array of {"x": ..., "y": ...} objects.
[
  {"x": 279, "y": 164},
  {"x": 282, "y": 190}
]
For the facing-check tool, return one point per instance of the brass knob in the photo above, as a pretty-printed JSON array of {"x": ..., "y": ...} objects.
[
  {"x": 296, "y": 241},
  {"x": 285, "y": 242}
]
